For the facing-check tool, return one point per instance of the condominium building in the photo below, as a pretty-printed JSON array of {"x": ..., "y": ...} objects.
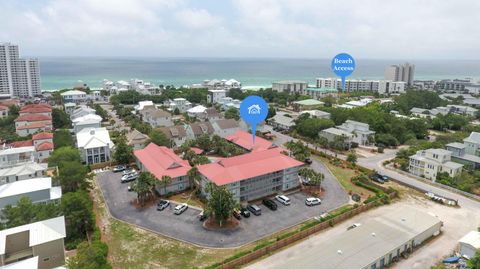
[
  {"x": 18, "y": 76},
  {"x": 253, "y": 175},
  {"x": 391, "y": 87},
  {"x": 42, "y": 240},
  {"x": 289, "y": 86},
  {"x": 457, "y": 85},
  {"x": 353, "y": 85},
  {"x": 319, "y": 93},
  {"x": 162, "y": 161},
  {"x": 428, "y": 163},
  {"x": 405, "y": 73}
]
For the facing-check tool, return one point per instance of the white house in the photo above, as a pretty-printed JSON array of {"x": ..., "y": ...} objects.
[
  {"x": 22, "y": 171},
  {"x": 95, "y": 145},
  {"x": 38, "y": 190},
  {"x": 143, "y": 104},
  {"x": 74, "y": 96},
  {"x": 181, "y": 103},
  {"x": 82, "y": 111},
  {"x": 13, "y": 156},
  {"x": 225, "y": 127},
  {"x": 87, "y": 121},
  {"x": 197, "y": 112},
  {"x": 361, "y": 131},
  {"x": 156, "y": 117},
  {"x": 428, "y": 163},
  {"x": 469, "y": 244},
  {"x": 215, "y": 96}
]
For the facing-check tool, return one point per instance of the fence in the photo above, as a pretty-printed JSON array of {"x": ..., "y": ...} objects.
[{"x": 298, "y": 236}]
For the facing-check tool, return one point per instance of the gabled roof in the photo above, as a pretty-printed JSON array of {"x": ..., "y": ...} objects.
[
  {"x": 162, "y": 161},
  {"x": 19, "y": 144},
  {"x": 25, "y": 186},
  {"x": 212, "y": 113},
  {"x": 199, "y": 128},
  {"x": 34, "y": 125},
  {"x": 33, "y": 117},
  {"x": 40, "y": 232},
  {"x": 135, "y": 137},
  {"x": 42, "y": 135},
  {"x": 36, "y": 108},
  {"x": 87, "y": 119},
  {"x": 474, "y": 137},
  {"x": 45, "y": 146},
  {"x": 418, "y": 110},
  {"x": 226, "y": 123},
  {"x": 234, "y": 169},
  {"x": 174, "y": 131},
  {"x": 472, "y": 239},
  {"x": 244, "y": 140},
  {"x": 2, "y": 107},
  {"x": 93, "y": 138},
  {"x": 73, "y": 92},
  {"x": 197, "y": 109},
  {"x": 23, "y": 169}
]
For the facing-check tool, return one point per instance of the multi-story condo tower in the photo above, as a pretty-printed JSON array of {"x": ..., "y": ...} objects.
[
  {"x": 405, "y": 73},
  {"x": 18, "y": 77}
]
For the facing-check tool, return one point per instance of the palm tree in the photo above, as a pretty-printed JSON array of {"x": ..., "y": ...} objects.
[
  {"x": 144, "y": 186},
  {"x": 165, "y": 181},
  {"x": 193, "y": 177}
]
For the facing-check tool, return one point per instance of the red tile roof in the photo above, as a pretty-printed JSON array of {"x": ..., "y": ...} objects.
[
  {"x": 2, "y": 107},
  {"x": 162, "y": 161},
  {"x": 34, "y": 125},
  {"x": 247, "y": 166},
  {"x": 197, "y": 150},
  {"x": 33, "y": 117},
  {"x": 45, "y": 146},
  {"x": 244, "y": 140},
  {"x": 42, "y": 135},
  {"x": 36, "y": 108},
  {"x": 19, "y": 144}
]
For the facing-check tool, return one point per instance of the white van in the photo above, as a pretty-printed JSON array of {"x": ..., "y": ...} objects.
[{"x": 283, "y": 199}]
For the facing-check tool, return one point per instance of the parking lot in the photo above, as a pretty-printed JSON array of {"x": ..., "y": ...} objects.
[{"x": 187, "y": 227}]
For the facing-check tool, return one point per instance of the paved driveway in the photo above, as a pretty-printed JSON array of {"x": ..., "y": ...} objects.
[{"x": 187, "y": 227}]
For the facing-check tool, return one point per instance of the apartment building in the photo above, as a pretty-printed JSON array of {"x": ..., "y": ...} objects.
[
  {"x": 253, "y": 175},
  {"x": 319, "y": 93},
  {"x": 428, "y": 163},
  {"x": 18, "y": 76},
  {"x": 214, "y": 96},
  {"x": 95, "y": 145},
  {"x": 162, "y": 161},
  {"x": 39, "y": 241},
  {"x": 405, "y": 73},
  {"x": 391, "y": 87},
  {"x": 353, "y": 85},
  {"x": 455, "y": 85},
  {"x": 289, "y": 86}
]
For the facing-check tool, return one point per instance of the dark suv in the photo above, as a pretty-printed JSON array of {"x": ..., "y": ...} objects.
[{"x": 270, "y": 204}]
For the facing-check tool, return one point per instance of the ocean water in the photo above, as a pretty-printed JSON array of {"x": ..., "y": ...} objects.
[{"x": 60, "y": 73}]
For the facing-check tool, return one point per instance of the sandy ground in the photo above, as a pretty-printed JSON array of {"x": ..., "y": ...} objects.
[{"x": 457, "y": 222}]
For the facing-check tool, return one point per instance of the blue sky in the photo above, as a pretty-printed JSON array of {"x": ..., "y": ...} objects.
[{"x": 409, "y": 29}]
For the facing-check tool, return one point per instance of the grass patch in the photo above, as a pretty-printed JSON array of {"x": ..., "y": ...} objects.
[
  {"x": 344, "y": 175},
  {"x": 187, "y": 197}
]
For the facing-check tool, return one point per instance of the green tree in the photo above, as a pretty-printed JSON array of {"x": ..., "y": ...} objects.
[
  {"x": 204, "y": 142},
  {"x": 232, "y": 113},
  {"x": 299, "y": 150},
  {"x": 271, "y": 112},
  {"x": 159, "y": 138},
  {"x": 79, "y": 218},
  {"x": 176, "y": 111},
  {"x": 90, "y": 256},
  {"x": 352, "y": 157},
  {"x": 220, "y": 204},
  {"x": 474, "y": 262},
  {"x": 63, "y": 154},
  {"x": 144, "y": 187},
  {"x": 193, "y": 177},
  {"x": 310, "y": 127},
  {"x": 62, "y": 138},
  {"x": 165, "y": 181},
  {"x": 123, "y": 152},
  {"x": 25, "y": 212},
  {"x": 72, "y": 176},
  {"x": 60, "y": 119}
]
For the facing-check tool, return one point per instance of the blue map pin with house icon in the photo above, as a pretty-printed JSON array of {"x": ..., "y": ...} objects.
[{"x": 253, "y": 111}]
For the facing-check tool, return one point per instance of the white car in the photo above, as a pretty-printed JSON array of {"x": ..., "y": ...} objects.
[
  {"x": 129, "y": 177},
  {"x": 283, "y": 199},
  {"x": 179, "y": 209},
  {"x": 129, "y": 171},
  {"x": 355, "y": 225},
  {"x": 311, "y": 201}
]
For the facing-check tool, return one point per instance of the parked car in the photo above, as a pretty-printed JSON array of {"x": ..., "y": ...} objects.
[
  {"x": 236, "y": 214},
  {"x": 202, "y": 216},
  {"x": 308, "y": 161},
  {"x": 129, "y": 177},
  {"x": 255, "y": 210},
  {"x": 244, "y": 212},
  {"x": 179, "y": 209},
  {"x": 355, "y": 225},
  {"x": 384, "y": 177},
  {"x": 377, "y": 179},
  {"x": 162, "y": 204},
  {"x": 311, "y": 201},
  {"x": 283, "y": 199},
  {"x": 129, "y": 171},
  {"x": 270, "y": 204},
  {"x": 119, "y": 168}
]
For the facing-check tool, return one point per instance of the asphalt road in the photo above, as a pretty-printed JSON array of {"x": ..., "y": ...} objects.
[{"x": 187, "y": 227}]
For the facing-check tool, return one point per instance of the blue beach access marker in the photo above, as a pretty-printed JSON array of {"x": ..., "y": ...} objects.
[
  {"x": 343, "y": 65},
  {"x": 253, "y": 111}
]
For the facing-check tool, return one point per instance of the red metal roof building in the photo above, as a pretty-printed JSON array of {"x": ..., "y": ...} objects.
[
  {"x": 253, "y": 175},
  {"x": 162, "y": 161}
]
